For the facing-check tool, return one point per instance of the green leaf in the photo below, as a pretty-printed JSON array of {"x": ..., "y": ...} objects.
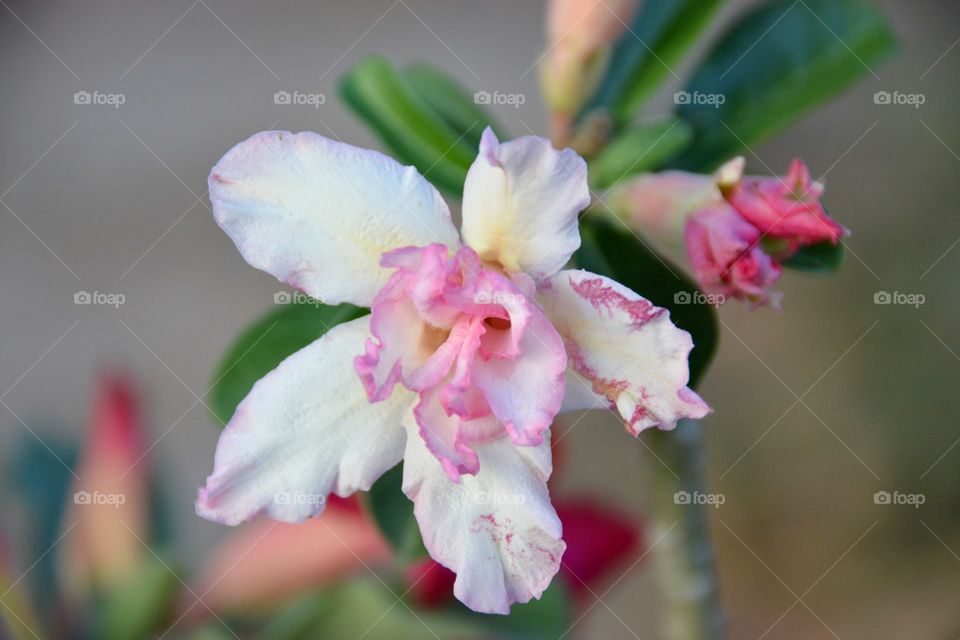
[
  {"x": 544, "y": 619},
  {"x": 451, "y": 101},
  {"x": 817, "y": 258},
  {"x": 299, "y": 620},
  {"x": 39, "y": 475},
  {"x": 614, "y": 252},
  {"x": 393, "y": 512},
  {"x": 213, "y": 631},
  {"x": 661, "y": 32},
  {"x": 261, "y": 347},
  {"x": 641, "y": 148},
  {"x": 775, "y": 64},
  {"x": 137, "y": 608},
  {"x": 405, "y": 123},
  {"x": 347, "y": 611}
]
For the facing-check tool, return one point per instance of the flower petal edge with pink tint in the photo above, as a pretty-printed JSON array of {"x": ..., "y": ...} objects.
[
  {"x": 302, "y": 434},
  {"x": 624, "y": 347},
  {"x": 318, "y": 214},
  {"x": 520, "y": 204},
  {"x": 497, "y": 530}
]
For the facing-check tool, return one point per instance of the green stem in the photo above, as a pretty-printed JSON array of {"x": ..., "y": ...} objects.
[{"x": 684, "y": 555}]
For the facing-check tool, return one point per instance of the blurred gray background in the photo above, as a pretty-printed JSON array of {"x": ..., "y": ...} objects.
[{"x": 816, "y": 408}]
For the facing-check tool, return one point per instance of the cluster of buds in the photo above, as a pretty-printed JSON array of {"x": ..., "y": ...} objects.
[{"x": 737, "y": 229}]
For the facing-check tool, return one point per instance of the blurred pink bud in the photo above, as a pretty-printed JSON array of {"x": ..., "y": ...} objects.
[
  {"x": 267, "y": 562},
  {"x": 580, "y": 34},
  {"x": 787, "y": 208},
  {"x": 725, "y": 252},
  {"x": 431, "y": 584},
  {"x": 108, "y": 507},
  {"x": 658, "y": 204},
  {"x": 599, "y": 540}
]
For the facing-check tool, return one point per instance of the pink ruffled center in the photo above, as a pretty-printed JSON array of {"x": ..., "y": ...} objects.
[
  {"x": 787, "y": 207},
  {"x": 464, "y": 336},
  {"x": 727, "y": 258}
]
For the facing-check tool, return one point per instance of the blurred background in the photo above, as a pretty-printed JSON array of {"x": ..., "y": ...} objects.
[{"x": 817, "y": 408}]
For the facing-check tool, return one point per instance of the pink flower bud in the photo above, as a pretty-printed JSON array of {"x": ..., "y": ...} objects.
[
  {"x": 266, "y": 563},
  {"x": 109, "y": 499},
  {"x": 725, "y": 252},
  {"x": 430, "y": 584},
  {"x": 580, "y": 34},
  {"x": 600, "y": 542},
  {"x": 658, "y": 204},
  {"x": 787, "y": 207}
]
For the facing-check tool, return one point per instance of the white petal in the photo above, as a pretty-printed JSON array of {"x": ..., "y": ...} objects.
[
  {"x": 318, "y": 214},
  {"x": 497, "y": 529},
  {"x": 624, "y": 347},
  {"x": 579, "y": 395},
  {"x": 305, "y": 430},
  {"x": 520, "y": 204}
]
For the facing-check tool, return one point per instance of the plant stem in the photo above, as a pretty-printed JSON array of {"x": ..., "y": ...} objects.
[{"x": 684, "y": 556}]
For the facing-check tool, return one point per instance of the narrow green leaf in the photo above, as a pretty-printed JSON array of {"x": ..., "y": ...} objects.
[
  {"x": 393, "y": 512},
  {"x": 544, "y": 619},
  {"x": 136, "y": 608},
  {"x": 39, "y": 477},
  {"x": 661, "y": 32},
  {"x": 266, "y": 343},
  {"x": 774, "y": 65},
  {"x": 817, "y": 258},
  {"x": 405, "y": 123},
  {"x": 644, "y": 147},
  {"x": 451, "y": 101},
  {"x": 616, "y": 253}
]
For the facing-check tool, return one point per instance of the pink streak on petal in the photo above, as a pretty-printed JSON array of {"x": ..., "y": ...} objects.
[{"x": 602, "y": 296}]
